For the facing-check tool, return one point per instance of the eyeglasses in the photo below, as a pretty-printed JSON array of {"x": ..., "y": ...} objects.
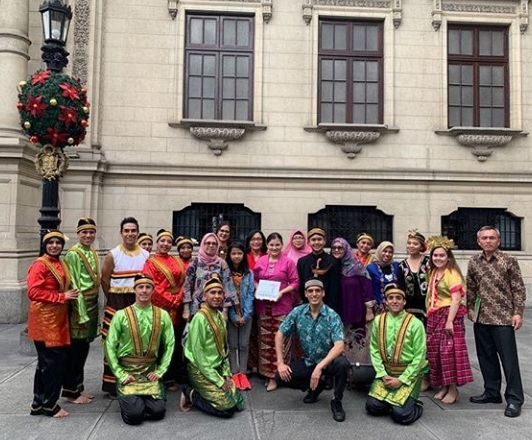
[
  {"x": 211, "y": 243},
  {"x": 337, "y": 248}
]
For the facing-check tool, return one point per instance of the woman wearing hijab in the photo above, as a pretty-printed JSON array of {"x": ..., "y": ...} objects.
[
  {"x": 199, "y": 272},
  {"x": 356, "y": 300},
  {"x": 383, "y": 271},
  {"x": 297, "y": 246},
  {"x": 49, "y": 292}
]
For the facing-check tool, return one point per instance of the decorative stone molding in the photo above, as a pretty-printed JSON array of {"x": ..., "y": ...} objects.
[
  {"x": 394, "y": 7},
  {"x": 482, "y": 140},
  {"x": 351, "y": 137},
  {"x": 440, "y": 7},
  {"x": 217, "y": 133},
  {"x": 80, "y": 68},
  {"x": 267, "y": 6}
]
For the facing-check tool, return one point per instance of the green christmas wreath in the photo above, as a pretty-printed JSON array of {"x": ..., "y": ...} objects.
[{"x": 53, "y": 109}]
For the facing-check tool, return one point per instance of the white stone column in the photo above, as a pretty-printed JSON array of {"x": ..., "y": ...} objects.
[{"x": 14, "y": 56}]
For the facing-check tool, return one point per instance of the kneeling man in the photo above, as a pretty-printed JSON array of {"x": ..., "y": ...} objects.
[
  {"x": 139, "y": 349},
  {"x": 398, "y": 347},
  {"x": 320, "y": 330},
  {"x": 212, "y": 389}
]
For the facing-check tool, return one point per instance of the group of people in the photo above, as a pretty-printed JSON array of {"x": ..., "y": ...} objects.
[{"x": 202, "y": 323}]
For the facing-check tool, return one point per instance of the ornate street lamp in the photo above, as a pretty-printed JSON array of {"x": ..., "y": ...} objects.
[
  {"x": 55, "y": 16},
  {"x": 54, "y": 110}
]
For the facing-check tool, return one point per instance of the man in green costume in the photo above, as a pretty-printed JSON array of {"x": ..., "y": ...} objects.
[
  {"x": 212, "y": 389},
  {"x": 139, "y": 349},
  {"x": 398, "y": 348},
  {"x": 84, "y": 267}
]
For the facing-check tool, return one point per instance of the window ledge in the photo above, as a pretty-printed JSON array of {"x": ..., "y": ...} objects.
[
  {"x": 482, "y": 140},
  {"x": 351, "y": 137},
  {"x": 217, "y": 133}
]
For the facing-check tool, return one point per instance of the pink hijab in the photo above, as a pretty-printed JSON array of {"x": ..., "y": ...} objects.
[
  {"x": 295, "y": 254},
  {"x": 202, "y": 255}
]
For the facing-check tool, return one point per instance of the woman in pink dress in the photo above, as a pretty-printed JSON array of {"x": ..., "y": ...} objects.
[{"x": 274, "y": 267}]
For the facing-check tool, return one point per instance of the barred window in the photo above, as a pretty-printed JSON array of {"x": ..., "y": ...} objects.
[
  {"x": 349, "y": 221},
  {"x": 198, "y": 219},
  {"x": 463, "y": 224}
]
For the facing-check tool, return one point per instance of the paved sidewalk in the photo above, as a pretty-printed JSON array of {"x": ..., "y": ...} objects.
[{"x": 268, "y": 416}]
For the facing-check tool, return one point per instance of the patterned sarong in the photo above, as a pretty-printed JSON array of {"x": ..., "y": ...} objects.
[{"x": 268, "y": 327}]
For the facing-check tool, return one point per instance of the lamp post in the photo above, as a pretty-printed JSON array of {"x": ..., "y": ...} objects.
[{"x": 51, "y": 161}]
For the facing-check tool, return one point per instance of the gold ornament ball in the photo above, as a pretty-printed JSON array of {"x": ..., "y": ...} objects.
[
  {"x": 86, "y": 110},
  {"x": 53, "y": 102},
  {"x": 27, "y": 125},
  {"x": 22, "y": 83},
  {"x": 70, "y": 141}
]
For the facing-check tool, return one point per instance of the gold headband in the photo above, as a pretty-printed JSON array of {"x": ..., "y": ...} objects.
[
  {"x": 394, "y": 290},
  {"x": 144, "y": 237},
  {"x": 213, "y": 283},
  {"x": 165, "y": 234},
  {"x": 85, "y": 227},
  {"x": 363, "y": 236},
  {"x": 144, "y": 280},
  {"x": 180, "y": 241},
  {"x": 437, "y": 241},
  {"x": 316, "y": 231},
  {"x": 54, "y": 234}
]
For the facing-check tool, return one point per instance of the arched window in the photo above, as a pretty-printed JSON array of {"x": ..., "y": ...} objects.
[
  {"x": 463, "y": 224},
  {"x": 349, "y": 221},
  {"x": 200, "y": 218}
]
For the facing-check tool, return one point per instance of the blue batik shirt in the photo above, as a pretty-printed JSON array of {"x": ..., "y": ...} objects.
[{"x": 317, "y": 336}]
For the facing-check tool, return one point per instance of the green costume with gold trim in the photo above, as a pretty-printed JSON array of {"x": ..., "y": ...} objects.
[{"x": 398, "y": 349}]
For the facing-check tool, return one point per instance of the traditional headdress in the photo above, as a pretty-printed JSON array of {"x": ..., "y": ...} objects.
[
  {"x": 144, "y": 236},
  {"x": 180, "y": 241},
  {"x": 393, "y": 289},
  {"x": 314, "y": 282},
  {"x": 164, "y": 233},
  {"x": 419, "y": 237},
  {"x": 54, "y": 233},
  {"x": 212, "y": 283},
  {"x": 365, "y": 235},
  {"x": 316, "y": 231},
  {"x": 86, "y": 223},
  {"x": 141, "y": 278},
  {"x": 437, "y": 241}
]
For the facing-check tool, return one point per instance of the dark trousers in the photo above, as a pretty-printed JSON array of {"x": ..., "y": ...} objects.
[
  {"x": 177, "y": 372},
  {"x": 336, "y": 371},
  {"x": 494, "y": 343},
  {"x": 48, "y": 379},
  {"x": 74, "y": 374},
  {"x": 404, "y": 415},
  {"x": 136, "y": 409},
  {"x": 204, "y": 405}
]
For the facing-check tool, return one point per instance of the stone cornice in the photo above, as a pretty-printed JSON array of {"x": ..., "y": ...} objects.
[
  {"x": 391, "y": 6},
  {"x": 217, "y": 133},
  {"x": 482, "y": 140},
  {"x": 351, "y": 137},
  {"x": 266, "y": 6},
  {"x": 515, "y": 8}
]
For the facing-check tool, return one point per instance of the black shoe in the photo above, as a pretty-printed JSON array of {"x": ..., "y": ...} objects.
[
  {"x": 484, "y": 398},
  {"x": 311, "y": 397},
  {"x": 512, "y": 410},
  {"x": 337, "y": 410}
]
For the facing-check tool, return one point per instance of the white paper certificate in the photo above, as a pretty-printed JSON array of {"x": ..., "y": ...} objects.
[{"x": 268, "y": 290}]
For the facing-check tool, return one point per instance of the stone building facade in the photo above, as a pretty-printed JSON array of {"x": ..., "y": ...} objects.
[{"x": 374, "y": 115}]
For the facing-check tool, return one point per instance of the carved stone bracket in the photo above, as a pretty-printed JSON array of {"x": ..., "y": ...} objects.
[
  {"x": 482, "y": 140},
  {"x": 51, "y": 163},
  {"x": 351, "y": 137},
  {"x": 441, "y": 7},
  {"x": 396, "y": 8},
  {"x": 267, "y": 6},
  {"x": 217, "y": 133},
  {"x": 217, "y": 137}
]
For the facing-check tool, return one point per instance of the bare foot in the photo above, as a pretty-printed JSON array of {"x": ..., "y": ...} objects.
[
  {"x": 88, "y": 395},
  {"x": 60, "y": 414},
  {"x": 81, "y": 400},
  {"x": 450, "y": 397},
  {"x": 272, "y": 385},
  {"x": 442, "y": 393},
  {"x": 183, "y": 405}
]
